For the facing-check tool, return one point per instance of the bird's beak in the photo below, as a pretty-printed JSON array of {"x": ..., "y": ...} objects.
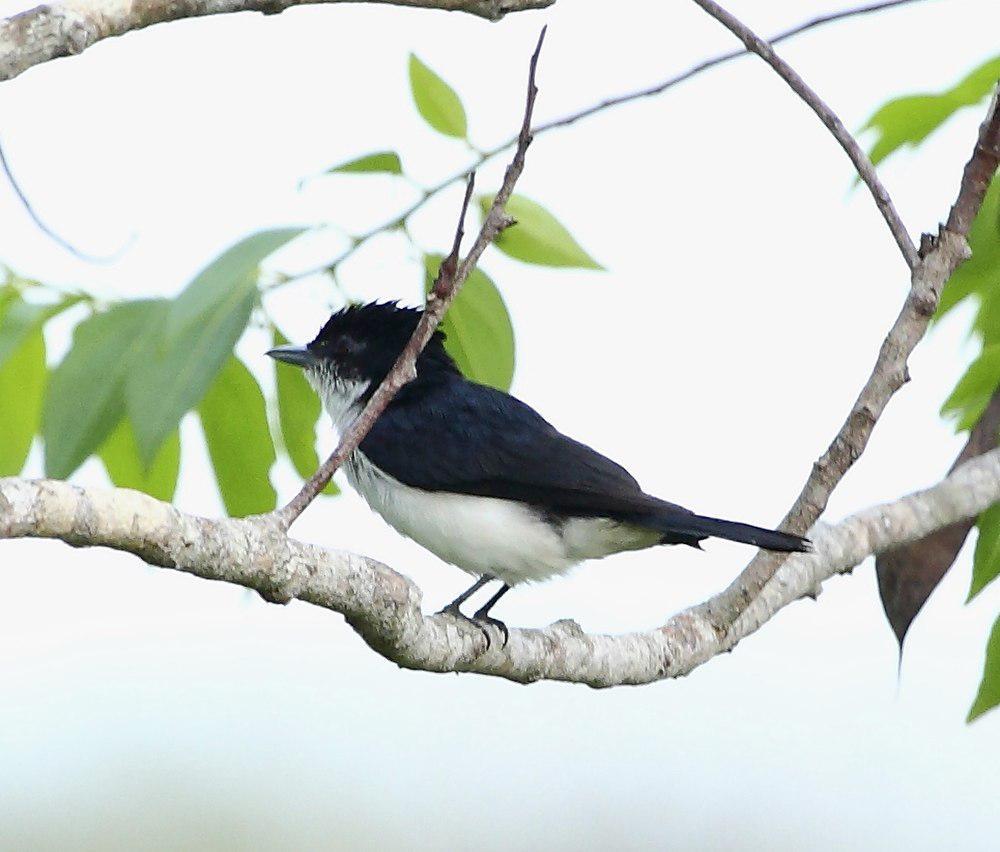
[{"x": 300, "y": 356}]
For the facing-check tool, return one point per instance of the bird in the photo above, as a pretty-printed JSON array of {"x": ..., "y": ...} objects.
[{"x": 478, "y": 477}]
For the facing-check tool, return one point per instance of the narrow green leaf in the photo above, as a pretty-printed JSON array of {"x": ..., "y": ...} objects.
[
  {"x": 299, "y": 409},
  {"x": 228, "y": 278},
  {"x": 174, "y": 373},
  {"x": 22, "y": 389},
  {"x": 989, "y": 688},
  {"x": 20, "y": 319},
  {"x": 120, "y": 455},
  {"x": 436, "y": 101},
  {"x": 537, "y": 236},
  {"x": 386, "y": 162},
  {"x": 234, "y": 419},
  {"x": 986, "y": 561},
  {"x": 972, "y": 393},
  {"x": 478, "y": 332},
  {"x": 910, "y": 119},
  {"x": 84, "y": 400}
]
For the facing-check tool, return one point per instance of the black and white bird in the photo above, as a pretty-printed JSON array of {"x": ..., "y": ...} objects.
[{"x": 478, "y": 477}]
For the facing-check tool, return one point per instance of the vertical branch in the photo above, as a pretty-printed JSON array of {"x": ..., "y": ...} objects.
[{"x": 446, "y": 287}]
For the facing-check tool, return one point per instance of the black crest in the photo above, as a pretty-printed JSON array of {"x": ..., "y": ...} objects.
[{"x": 364, "y": 341}]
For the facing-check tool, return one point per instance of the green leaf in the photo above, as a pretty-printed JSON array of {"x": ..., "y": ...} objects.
[
  {"x": 478, "y": 333},
  {"x": 174, "y": 374},
  {"x": 299, "y": 409},
  {"x": 22, "y": 389},
  {"x": 909, "y": 120},
  {"x": 84, "y": 400},
  {"x": 537, "y": 236},
  {"x": 980, "y": 274},
  {"x": 986, "y": 562},
  {"x": 20, "y": 319},
  {"x": 972, "y": 393},
  {"x": 234, "y": 419},
  {"x": 386, "y": 162},
  {"x": 227, "y": 279},
  {"x": 989, "y": 689},
  {"x": 120, "y": 455},
  {"x": 436, "y": 101}
]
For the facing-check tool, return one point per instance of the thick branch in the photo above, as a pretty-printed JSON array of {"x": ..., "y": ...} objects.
[
  {"x": 71, "y": 26},
  {"x": 384, "y": 607}
]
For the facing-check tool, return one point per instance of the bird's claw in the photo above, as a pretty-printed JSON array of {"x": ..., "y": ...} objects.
[
  {"x": 482, "y": 619},
  {"x": 453, "y": 610}
]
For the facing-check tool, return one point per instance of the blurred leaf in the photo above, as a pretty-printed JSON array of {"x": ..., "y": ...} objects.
[
  {"x": 477, "y": 326},
  {"x": 120, "y": 455},
  {"x": 436, "y": 101},
  {"x": 20, "y": 319},
  {"x": 980, "y": 273},
  {"x": 908, "y": 574},
  {"x": 84, "y": 400},
  {"x": 989, "y": 689},
  {"x": 912, "y": 118},
  {"x": 537, "y": 236},
  {"x": 174, "y": 374},
  {"x": 234, "y": 419},
  {"x": 22, "y": 389},
  {"x": 227, "y": 279},
  {"x": 972, "y": 393},
  {"x": 299, "y": 409},
  {"x": 386, "y": 162},
  {"x": 986, "y": 561}
]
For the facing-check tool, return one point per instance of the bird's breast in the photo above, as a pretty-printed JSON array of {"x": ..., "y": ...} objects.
[{"x": 481, "y": 535}]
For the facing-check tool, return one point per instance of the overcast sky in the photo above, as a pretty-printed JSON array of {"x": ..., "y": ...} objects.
[{"x": 747, "y": 290}]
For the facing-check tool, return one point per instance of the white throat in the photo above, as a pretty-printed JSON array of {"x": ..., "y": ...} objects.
[{"x": 341, "y": 397}]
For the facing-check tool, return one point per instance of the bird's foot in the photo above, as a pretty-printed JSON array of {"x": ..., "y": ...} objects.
[
  {"x": 453, "y": 610},
  {"x": 482, "y": 619}
]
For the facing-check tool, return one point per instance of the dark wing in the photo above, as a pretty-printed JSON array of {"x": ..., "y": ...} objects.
[{"x": 469, "y": 439}]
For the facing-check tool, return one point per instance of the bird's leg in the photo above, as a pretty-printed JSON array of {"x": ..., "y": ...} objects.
[
  {"x": 453, "y": 607},
  {"x": 482, "y": 614}
]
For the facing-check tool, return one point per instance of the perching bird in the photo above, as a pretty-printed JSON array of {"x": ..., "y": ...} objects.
[{"x": 478, "y": 477}]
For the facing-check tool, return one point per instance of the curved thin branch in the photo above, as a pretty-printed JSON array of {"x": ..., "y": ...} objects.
[
  {"x": 68, "y": 27},
  {"x": 829, "y": 118},
  {"x": 384, "y": 606},
  {"x": 566, "y": 120},
  {"x": 44, "y": 228}
]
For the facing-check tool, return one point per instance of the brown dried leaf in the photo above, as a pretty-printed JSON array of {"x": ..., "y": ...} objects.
[{"x": 908, "y": 574}]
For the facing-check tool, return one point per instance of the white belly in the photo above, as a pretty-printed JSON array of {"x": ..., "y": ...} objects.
[{"x": 485, "y": 535}]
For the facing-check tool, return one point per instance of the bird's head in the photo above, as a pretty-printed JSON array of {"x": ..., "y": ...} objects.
[{"x": 355, "y": 350}]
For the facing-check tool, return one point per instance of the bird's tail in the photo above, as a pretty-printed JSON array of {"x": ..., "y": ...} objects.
[{"x": 683, "y": 528}]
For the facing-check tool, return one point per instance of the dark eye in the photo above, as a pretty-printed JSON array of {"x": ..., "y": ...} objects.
[{"x": 343, "y": 347}]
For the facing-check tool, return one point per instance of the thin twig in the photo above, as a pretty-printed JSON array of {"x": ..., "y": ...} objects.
[
  {"x": 449, "y": 281},
  {"x": 857, "y": 155},
  {"x": 45, "y": 229},
  {"x": 537, "y": 130}
]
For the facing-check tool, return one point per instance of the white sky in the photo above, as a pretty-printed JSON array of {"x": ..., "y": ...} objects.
[{"x": 747, "y": 292}]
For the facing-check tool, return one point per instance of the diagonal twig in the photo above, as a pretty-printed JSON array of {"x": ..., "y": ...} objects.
[
  {"x": 566, "y": 120},
  {"x": 450, "y": 278},
  {"x": 836, "y": 127}
]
